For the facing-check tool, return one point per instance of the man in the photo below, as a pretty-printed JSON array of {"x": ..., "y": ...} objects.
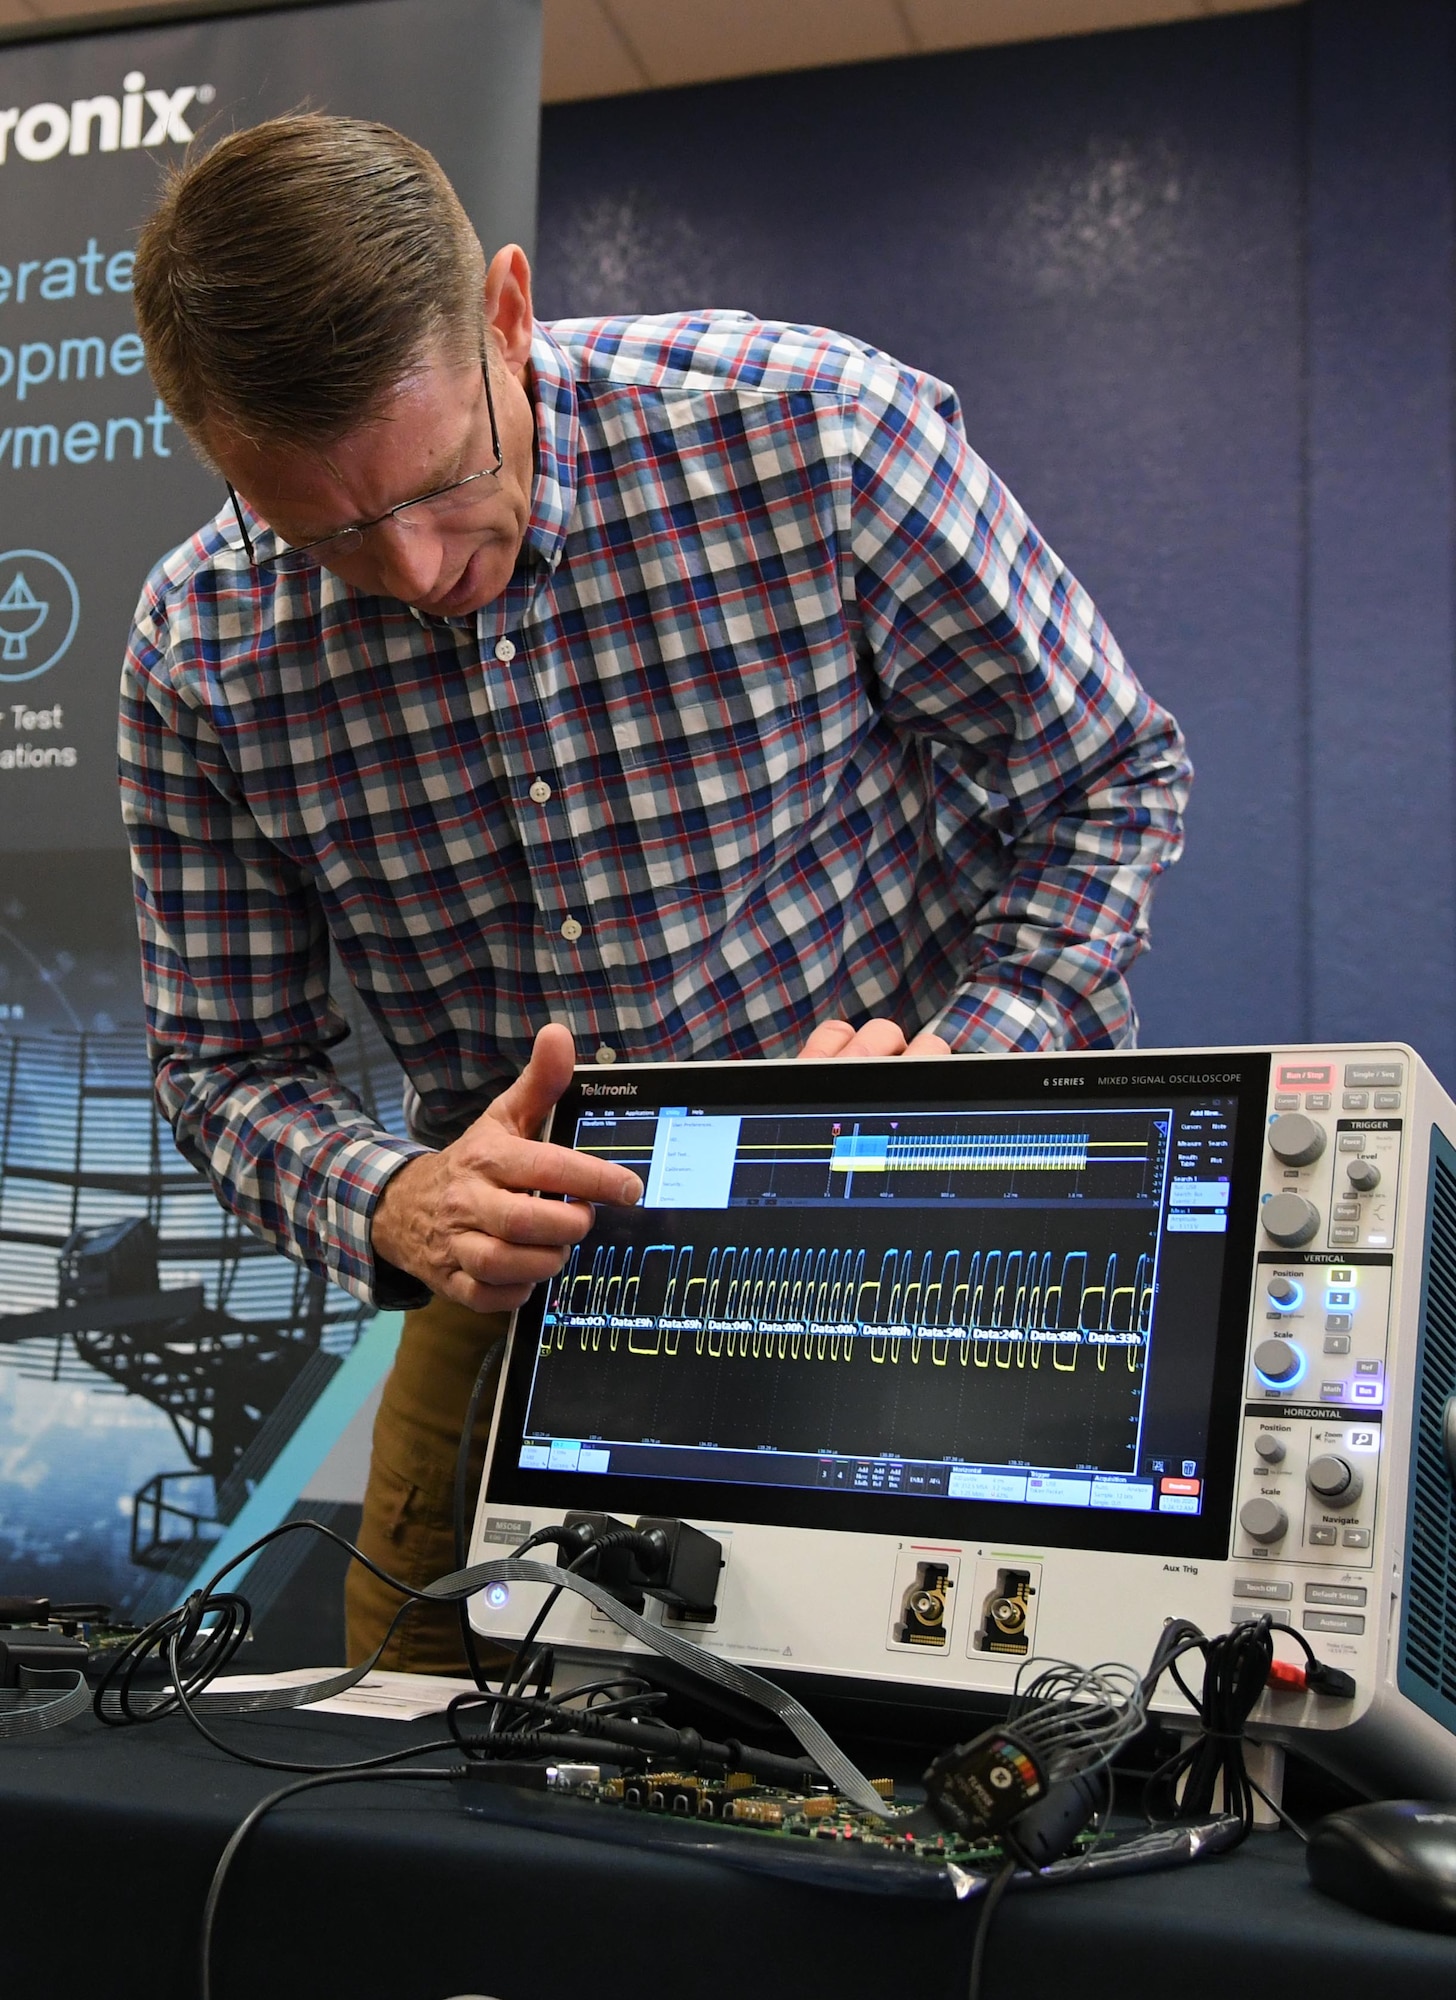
[{"x": 685, "y": 683}]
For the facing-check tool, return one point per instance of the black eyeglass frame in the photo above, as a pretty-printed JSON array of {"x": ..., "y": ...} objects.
[{"x": 362, "y": 528}]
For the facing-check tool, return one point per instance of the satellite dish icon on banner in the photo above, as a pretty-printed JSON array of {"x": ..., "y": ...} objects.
[
  {"x": 40, "y": 608},
  {"x": 22, "y": 614}
]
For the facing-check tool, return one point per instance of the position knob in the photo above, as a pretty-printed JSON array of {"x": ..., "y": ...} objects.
[
  {"x": 1296, "y": 1140},
  {"x": 1269, "y": 1448},
  {"x": 1335, "y": 1481},
  {"x": 1289, "y": 1218},
  {"x": 1285, "y": 1293},
  {"x": 1364, "y": 1175},
  {"x": 1277, "y": 1360},
  {"x": 1263, "y": 1520}
]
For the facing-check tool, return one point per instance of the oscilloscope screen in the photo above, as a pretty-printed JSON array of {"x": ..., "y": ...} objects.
[{"x": 1011, "y": 1304}]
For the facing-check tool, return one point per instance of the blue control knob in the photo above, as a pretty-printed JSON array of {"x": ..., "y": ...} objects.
[
  {"x": 1278, "y": 1361},
  {"x": 1285, "y": 1294}
]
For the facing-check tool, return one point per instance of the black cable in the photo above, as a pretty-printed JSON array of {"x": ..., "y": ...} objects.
[
  {"x": 489, "y": 1367},
  {"x": 245, "y": 1827},
  {"x": 987, "y": 1910}
]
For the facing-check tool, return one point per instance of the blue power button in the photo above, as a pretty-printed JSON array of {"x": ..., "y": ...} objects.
[{"x": 497, "y": 1595}]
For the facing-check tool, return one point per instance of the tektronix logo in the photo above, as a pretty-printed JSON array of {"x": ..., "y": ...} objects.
[
  {"x": 139, "y": 117},
  {"x": 609, "y": 1090}
]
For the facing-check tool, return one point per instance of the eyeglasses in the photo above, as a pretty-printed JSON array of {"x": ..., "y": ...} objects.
[{"x": 444, "y": 506}]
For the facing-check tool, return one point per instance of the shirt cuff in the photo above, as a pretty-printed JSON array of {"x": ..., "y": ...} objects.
[
  {"x": 358, "y": 1175},
  {"x": 983, "y": 1016}
]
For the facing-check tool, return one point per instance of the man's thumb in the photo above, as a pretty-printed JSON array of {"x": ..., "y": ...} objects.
[{"x": 523, "y": 1108}]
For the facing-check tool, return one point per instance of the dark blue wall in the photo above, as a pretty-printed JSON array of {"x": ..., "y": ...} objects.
[{"x": 1194, "y": 286}]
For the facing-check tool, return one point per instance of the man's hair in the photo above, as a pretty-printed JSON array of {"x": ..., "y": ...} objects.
[{"x": 291, "y": 277}]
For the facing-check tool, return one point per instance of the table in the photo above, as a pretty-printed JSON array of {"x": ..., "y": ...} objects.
[{"x": 108, "y": 1840}]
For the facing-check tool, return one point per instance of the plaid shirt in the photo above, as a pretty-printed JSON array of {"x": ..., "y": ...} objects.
[{"x": 787, "y": 712}]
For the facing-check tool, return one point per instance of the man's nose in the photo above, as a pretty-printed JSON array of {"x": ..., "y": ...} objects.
[{"x": 407, "y": 560}]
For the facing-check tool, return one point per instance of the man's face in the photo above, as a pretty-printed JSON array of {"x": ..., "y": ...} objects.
[{"x": 433, "y": 429}]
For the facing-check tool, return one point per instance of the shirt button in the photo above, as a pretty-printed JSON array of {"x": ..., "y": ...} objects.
[
  {"x": 606, "y": 1055},
  {"x": 540, "y": 791},
  {"x": 505, "y": 652},
  {"x": 571, "y": 930}
]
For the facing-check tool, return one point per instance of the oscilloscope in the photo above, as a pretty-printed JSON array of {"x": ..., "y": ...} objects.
[{"x": 967, "y": 1358}]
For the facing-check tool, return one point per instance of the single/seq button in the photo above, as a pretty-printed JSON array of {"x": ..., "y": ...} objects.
[
  {"x": 540, "y": 791},
  {"x": 505, "y": 652},
  {"x": 571, "y": 930},
  {"x": 1374, "y": 1076}
]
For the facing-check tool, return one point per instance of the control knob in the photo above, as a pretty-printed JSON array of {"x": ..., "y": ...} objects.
[
  {"x": 1335, "y": 1481},
  {"x": 1263, "y": 1520},
  {"x": 1364, "y": 1175},
  {"x": 1285, "y": 1293},
  {"x": 1270, "y": 1448},
  {"x": 1289, "y": 1218},
  {"x": 1277, "y": 1360},
  {"x": 1296, "y": 1140}
]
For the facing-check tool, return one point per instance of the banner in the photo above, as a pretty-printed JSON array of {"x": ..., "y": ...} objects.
[{"x": 166, "y": 1383}]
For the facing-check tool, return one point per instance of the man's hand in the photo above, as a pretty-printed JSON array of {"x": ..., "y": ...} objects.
[
  {"x": 463, "y": 1220},
  {"x": 875, "y": 1038}
]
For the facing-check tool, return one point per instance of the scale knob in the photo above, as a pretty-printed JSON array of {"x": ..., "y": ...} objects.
[
  {"x": 1277, "y": 1360},
  {"x": 1296, "y": 1140},
  {"x": 1289, "y": 1218},
  {"x": 1364, "y": 1175},
  {"x": 1263, "y": 1520},
  {"x": 1270, "y": 1448},
  {"x": 1286, "y": 1293},
  {"x": 1335, "y": 1481}
]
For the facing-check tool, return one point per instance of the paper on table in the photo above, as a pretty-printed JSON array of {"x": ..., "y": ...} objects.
[{"x": 396, "y": 1697}]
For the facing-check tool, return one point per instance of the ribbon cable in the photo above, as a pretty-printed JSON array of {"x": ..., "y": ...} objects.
[{"x": 815, "y": 1742}]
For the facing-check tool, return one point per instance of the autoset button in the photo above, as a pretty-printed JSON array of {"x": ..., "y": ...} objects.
[{"x": 1334, "y": 1621}]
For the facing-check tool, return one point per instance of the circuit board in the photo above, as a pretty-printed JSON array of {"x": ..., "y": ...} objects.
[{"x": 740, "y": 1803}]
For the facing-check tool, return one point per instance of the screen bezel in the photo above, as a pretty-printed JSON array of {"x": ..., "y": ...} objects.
[{"x": 955, "y": 1080}]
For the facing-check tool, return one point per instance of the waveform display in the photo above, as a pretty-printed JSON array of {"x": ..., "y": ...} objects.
[
  {"x": 984, "y": 1307},
  {"x": 968, "y": 1152}
]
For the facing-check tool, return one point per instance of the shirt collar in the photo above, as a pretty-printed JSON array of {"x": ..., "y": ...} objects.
[{"x": 558, "y": 431}]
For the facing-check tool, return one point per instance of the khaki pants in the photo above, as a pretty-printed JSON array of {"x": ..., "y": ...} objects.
[{"x": 408, "y": 1525}]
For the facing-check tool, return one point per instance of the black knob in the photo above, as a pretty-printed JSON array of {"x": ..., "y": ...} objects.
[
  {"x": 1277, "y": 1360},
  {"x": 1335, "y": 1481},
  {"x": 1263, "y": 1520},
  {"x": 1289, "y": 1219},
  {"x": 1284, "y": 1292},
  {"x": 1296, "y": 1140}
]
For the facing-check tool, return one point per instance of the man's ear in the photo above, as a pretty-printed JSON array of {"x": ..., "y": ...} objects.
[{"x": 508, "y": 306}]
